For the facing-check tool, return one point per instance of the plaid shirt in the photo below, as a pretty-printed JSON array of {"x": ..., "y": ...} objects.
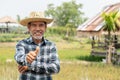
[{"x": 45, "y": 64}]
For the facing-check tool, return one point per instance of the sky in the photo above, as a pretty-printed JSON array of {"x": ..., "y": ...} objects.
[{"x": 24, "y": 7}]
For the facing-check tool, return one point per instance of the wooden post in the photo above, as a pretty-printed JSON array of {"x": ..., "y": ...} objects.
[{"x": 109, "y": 55}]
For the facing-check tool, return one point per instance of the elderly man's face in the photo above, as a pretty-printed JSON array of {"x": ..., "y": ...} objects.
[{"x": 37, "y": 29}]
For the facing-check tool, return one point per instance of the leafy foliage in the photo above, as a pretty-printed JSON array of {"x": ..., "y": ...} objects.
[
  {"x": 111, "y": 21},
  {"x": 110, "y": 26},
  {"x": 68, "y": 12}
]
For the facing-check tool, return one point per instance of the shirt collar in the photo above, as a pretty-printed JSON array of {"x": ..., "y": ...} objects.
[{"x": 30, "y": 40}]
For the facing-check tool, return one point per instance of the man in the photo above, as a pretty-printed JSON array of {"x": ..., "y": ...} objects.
[{"x": 37, "y": 57}]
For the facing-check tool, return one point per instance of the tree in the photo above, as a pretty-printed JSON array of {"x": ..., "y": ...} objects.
[
  {"x": 112, "y": 24},
  {"x": 68, "y": 12},
  {"x": 68, "y": 29},
  {"x": 18, "y": 18}
]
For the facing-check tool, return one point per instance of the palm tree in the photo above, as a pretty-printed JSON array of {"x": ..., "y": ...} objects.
[{"x": 111, "y": 24}]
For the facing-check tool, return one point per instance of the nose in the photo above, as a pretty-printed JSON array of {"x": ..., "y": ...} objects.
[{"x": 37, "y": 27}]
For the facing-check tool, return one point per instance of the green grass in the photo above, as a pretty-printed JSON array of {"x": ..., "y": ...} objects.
[
  {"x": 7, "y": 37},
  {"x": 6, "y": 54},
  {"x": 76, "y": 62},
  {"x": 74, "y": 70},
  {"x": 71, "y": 54}
]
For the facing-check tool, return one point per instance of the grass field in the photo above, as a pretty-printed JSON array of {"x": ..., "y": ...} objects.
[{"x": 76, "y": 64}]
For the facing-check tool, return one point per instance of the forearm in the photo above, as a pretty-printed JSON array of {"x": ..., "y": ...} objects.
[
  {"x": 45, "y": 68},
  {"x": 20, "y": 55},
  {"x": 50, "y": 67},
  {"x": 21, "y": 59}
]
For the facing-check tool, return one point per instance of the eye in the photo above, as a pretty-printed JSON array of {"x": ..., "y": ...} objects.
[
  {"x": 34, "y": 25},
  {"x": 42, "y": 24}
]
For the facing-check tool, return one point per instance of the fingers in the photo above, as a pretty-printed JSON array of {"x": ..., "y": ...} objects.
[
  {"x": 29, "y": 60},
  {"x": 30, "y": 57},
  {"x": 22, "y": 69},
  {"x": 37, "y": 50}
]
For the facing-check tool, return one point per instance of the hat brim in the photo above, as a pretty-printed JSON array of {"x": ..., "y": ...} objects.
[{"x": 25, "y": 22}]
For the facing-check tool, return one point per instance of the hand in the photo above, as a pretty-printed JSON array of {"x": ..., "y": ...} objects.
[
  {"x": 32, "y": 55},
  {"x": 22, "y": 69}
]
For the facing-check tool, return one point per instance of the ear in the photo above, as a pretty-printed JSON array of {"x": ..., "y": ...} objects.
[
  {"x": 45, "y": 28},
  {"x": 28, "y": 27}
]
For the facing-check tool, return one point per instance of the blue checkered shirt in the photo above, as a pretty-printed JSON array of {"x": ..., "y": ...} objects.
[{"x": 45, "y": 64}]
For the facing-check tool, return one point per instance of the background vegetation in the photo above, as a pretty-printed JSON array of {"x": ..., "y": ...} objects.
[
  {"x": 66, "y": 13},
  {"x": 74, "y": 53},
  {"x": 76, "y": 61}
]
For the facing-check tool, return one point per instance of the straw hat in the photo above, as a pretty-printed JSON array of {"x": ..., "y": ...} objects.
[{"x": 35, "y": 16}]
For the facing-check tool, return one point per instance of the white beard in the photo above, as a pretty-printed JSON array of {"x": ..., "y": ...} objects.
[{"x": 36, "y": 37}]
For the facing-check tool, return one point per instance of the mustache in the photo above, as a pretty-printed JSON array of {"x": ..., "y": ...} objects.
[{"x": 37, "y": 32}]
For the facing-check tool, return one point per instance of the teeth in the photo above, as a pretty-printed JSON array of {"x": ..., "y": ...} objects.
[{"x": 37, "y": 33}]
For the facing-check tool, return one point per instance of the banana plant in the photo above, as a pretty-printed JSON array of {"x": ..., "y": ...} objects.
[{"x": 111, "y": 24}]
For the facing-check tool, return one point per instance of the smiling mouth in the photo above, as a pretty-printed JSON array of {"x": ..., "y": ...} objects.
[{"x": 38, "y": 33}]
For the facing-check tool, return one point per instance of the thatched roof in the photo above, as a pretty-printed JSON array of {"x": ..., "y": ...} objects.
[{"x": 7, "y": 19}]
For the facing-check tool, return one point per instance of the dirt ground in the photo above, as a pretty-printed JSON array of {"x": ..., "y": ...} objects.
[{"x": 7, "y": 44}]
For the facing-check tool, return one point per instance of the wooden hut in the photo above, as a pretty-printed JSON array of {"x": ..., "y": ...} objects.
[
  {"x": 94, "y": 27},
  {"x": 7, "y": 20}
]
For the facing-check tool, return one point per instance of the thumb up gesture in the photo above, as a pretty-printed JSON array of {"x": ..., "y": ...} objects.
[{"x": 32, "y": 55}]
